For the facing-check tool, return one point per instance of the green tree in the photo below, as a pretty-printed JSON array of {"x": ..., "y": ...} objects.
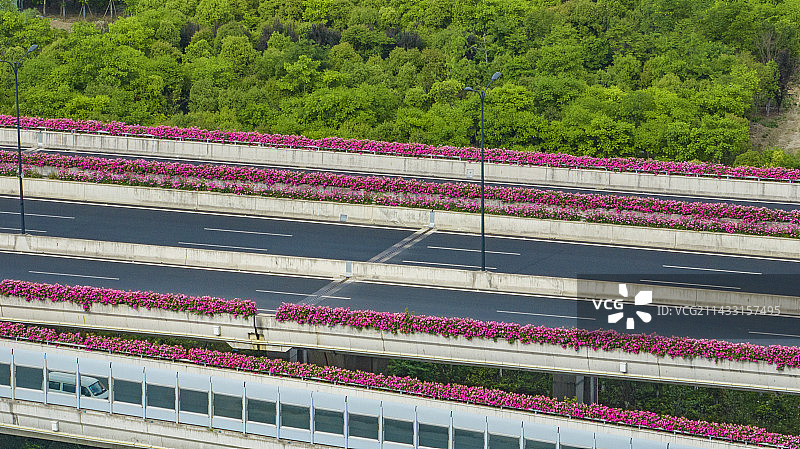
[
  {"x": 131, "y": 32},
  {"x": 214, "y": 13},
  {"x": 238, "y": 52},
  {"x": 300, "y": 75}
]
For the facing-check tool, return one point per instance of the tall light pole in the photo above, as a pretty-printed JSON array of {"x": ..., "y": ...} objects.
[
  {"x": 15, "y": 68},
  {"x": 483, "y": 208}
]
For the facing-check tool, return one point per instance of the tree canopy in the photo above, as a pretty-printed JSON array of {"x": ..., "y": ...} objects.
[{"x": 668, "y": 79}]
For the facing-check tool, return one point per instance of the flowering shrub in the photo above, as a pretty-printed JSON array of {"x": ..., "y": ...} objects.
[
  {"x": 606, "y": 340},
  {"x": 389, "y": 191},
  {"x": 85, "y": 296},
  {"x": 407, "y": 385},
  {"x": 496, "y": 155}
]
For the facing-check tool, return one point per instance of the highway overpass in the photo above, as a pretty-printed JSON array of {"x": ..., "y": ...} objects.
[
  {"x": 418, "y": 218},
  {"x": 264, "y": 332},
  {"x": 167, "y": 404},
  {"x": 270, "y": 290},
  {"x": 687, "y": 187},
  {"x": 376, "y": 251}
]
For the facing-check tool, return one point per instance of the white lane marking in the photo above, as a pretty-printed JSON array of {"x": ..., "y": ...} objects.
[
  {"x": 39, "y": 215},
  {"x": 26, "y": 230},
  {"x": 446, "y": 264},
  {"x": 276, "y": 234},
  {"x": 710, "y": 269},
  {"x": 283, "y": 293},
  {"x": 302, "y": 294},
  {"x": 472, "y": 250},
  {"x": 773, "y": 334},
  {"x": 688, "y": 284},
  {"x": 545, "y": 315},
  {"x": 222, "y": 246},
  {"x": 267, "y": 310},
  {"x": 72, "y": 275}
]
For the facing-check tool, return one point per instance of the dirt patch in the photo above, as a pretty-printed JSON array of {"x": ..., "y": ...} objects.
[
  {"x": 61, "y": 24},
  {"x": 65, "y": 23},
  {"x": 781, "y": 129}
]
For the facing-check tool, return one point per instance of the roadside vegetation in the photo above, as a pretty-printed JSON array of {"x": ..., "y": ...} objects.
[
  {"x": 667, "y": 79},
  {"x": 775, "y": 412}
]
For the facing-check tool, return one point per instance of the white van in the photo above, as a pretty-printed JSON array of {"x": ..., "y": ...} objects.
[{"x": 65, "y": 383}]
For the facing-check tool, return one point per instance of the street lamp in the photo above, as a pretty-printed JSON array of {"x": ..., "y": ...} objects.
[
  {"x": 15, "y": 68},
  {"x": 483, "y": 210}
]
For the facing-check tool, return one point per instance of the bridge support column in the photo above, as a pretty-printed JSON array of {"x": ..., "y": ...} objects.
[
  {"x": 348, "y": 361},
  {"x": 581, "y": 388},
  {"x": 298, "y": 355}
]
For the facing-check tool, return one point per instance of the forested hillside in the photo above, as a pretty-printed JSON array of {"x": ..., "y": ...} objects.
[{"x": 670, "y": 79}]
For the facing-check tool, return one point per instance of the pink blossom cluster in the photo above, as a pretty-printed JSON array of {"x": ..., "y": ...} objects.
[
  {"x": 496, "y": 155},
  {"x": 606, "y": 340},
  {"x": 391, "y": 191},
  {"x": 86, "y": 296},
  {"x": 408, "y": 385}
]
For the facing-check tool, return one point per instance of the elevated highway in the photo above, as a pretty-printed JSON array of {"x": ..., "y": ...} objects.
[
  {"x": 512, "y": 237},
  {"x": 270, "y": 290},
  {"x": 342, "y": 271},
  {"x": 266, "y": 333},
  {"x": 150, "y": 403},
  {"x": 771, "y": 194}
]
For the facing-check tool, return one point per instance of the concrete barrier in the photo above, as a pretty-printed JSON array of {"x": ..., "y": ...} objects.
[
  {"x": 22, "y": 416},
  {"x": 663, "y": 238},
  {"x": 124, "y": 319},
  {"x": 405, "y": 274},
  {"x": 746, "y": 189}
]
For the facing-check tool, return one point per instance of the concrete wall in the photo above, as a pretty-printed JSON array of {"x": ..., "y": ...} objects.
[
  {"x": 282, "y": 336},
  {"x": 408, "y": 166},
  {"x": 126, "y": 319},
  {"x": 42, "y": 420},
  {"x": 408, "y": 217},
  {"x": 406, "y": 274}
]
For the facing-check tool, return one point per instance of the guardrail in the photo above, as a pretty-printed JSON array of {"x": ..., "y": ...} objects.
[
  {"x": 266, "y": 332},
  {"x": 433, "y": 167}
]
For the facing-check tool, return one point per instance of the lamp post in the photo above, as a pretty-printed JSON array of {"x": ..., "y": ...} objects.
[
  {"x": 15, "y": 68},
  {"x": 483, "y": 209}
]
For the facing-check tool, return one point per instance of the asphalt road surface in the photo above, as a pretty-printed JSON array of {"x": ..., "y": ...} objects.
[{"x": 345, "y": 241}]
